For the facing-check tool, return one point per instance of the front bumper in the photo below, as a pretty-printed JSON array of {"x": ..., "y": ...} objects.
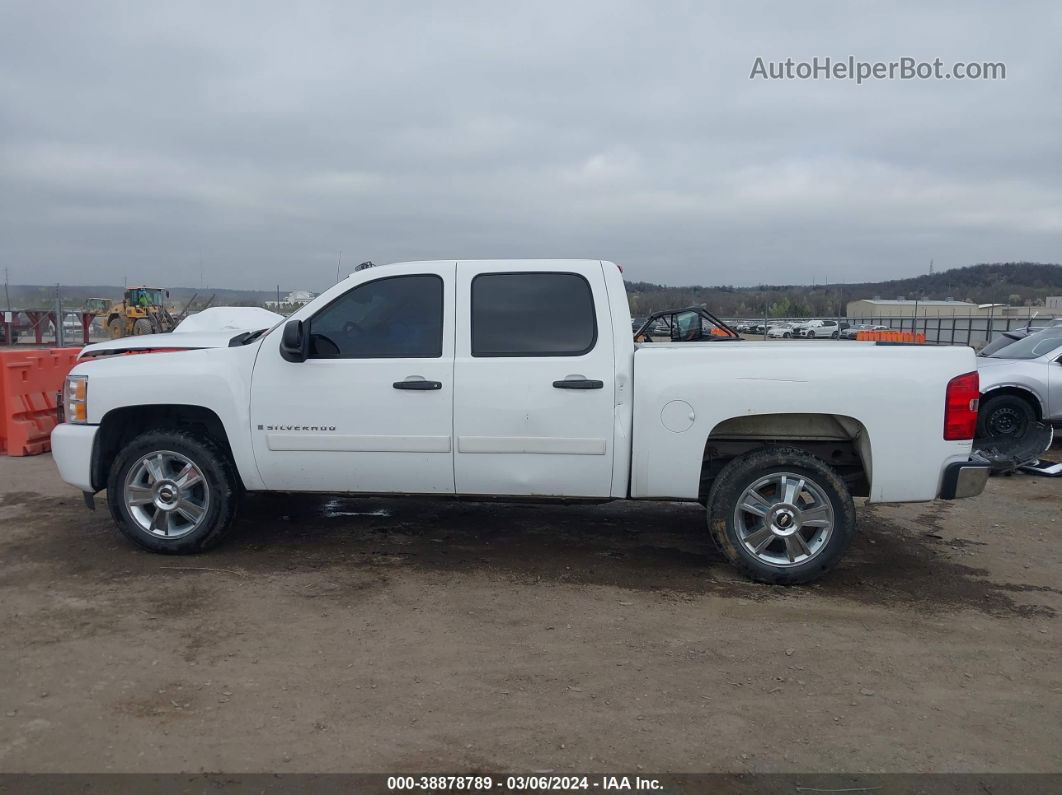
[
  {"x": 72, "y": 451},
  {"x": 964, "y": 479}
]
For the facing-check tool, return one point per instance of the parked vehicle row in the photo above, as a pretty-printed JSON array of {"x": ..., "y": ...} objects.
[
  {"x": 852, "y": 330},
  {"x": 806, "y": 329}
]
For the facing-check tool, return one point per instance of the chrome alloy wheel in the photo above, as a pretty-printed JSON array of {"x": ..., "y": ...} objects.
[
  {"x": 784, "y": 519},
  {"x": 166, "y": 494}
]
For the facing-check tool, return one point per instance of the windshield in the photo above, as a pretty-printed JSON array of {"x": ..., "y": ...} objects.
[
  {"x": 146, "y": 296},
  {"x": 1033, "y": 346}
]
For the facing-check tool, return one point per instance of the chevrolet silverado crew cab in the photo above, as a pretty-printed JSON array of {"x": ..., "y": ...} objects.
[{"x": 516, "y": 379}]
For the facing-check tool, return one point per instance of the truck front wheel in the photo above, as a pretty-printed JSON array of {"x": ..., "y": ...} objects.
[
  {"x": 173, "y": 492},
  {"x": 781, "y": 515}
]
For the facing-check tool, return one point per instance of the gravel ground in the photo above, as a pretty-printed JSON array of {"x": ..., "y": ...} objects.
[{"x": 409, "y": 635}]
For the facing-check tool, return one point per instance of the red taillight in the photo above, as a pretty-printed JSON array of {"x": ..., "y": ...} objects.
[{"x": 960, "y": 406}]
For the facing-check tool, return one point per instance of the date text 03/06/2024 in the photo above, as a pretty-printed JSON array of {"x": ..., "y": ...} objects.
[{"x": 522, "y": 783}]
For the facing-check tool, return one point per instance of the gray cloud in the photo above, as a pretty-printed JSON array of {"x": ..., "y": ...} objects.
[{"x": 264, "y": 138}]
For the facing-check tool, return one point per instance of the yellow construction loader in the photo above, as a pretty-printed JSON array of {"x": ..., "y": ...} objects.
[{"x": 142, "y": 311}]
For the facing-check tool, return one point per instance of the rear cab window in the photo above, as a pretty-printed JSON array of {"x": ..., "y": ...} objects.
[{"x": 532, "y": 314}]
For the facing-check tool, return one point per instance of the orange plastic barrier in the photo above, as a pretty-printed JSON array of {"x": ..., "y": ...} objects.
[
  {"x": 29, "y": 383},
  {"x": 891, "y": 336}
]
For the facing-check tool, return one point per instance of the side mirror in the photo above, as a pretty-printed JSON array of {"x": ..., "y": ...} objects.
[{"x": 294, "y": 342}]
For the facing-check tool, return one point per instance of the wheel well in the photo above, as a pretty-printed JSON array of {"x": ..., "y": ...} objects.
[
  {"x": 1017, "y": 392},
  {"x": 120, "y": 426},
  {"x": 841, "y": 442}
]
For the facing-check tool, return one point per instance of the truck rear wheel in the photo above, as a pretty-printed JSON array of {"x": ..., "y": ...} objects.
[
  {"x": 781, "y": 515},
  {"x": 173, "y": 492}
]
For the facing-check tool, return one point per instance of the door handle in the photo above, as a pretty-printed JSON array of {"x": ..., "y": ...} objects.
[
  {"x": 416, "y": 382},
  {"x": 578, "y": 382}
]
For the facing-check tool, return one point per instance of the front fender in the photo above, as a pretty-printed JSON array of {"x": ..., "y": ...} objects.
[{"x": 217, "y": 379}]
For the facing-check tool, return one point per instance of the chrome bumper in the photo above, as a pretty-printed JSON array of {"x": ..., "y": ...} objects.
[{"x": 964, "y": 479}]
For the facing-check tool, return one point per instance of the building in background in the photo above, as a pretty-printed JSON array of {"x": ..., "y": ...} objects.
[
  {"x": 293, "y": 300},
  {"x": 1054, "y": 303},
  {"x": 899, "y": 307}
]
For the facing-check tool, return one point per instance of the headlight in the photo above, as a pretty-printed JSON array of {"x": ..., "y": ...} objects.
[{"x": 75, "y": 399}]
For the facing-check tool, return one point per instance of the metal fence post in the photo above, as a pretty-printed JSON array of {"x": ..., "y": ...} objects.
[{"x": 58, "y": 318}]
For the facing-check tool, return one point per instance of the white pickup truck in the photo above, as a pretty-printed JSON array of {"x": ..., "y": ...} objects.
[{"x": 516, "y": 379}]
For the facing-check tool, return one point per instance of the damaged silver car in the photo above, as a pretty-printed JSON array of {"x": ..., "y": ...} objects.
[{"x": 1021, "y": 397}]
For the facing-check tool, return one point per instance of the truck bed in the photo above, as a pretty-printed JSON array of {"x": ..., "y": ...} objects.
[{"x": 889, "y": 398}]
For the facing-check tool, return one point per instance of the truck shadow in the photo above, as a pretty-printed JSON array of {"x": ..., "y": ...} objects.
[{"x": 657, "y": 546}]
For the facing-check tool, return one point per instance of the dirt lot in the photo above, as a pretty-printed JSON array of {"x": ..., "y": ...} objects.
[{"x": 386, "y": 635}]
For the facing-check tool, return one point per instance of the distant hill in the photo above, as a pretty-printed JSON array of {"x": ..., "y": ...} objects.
[{"x": 1016, "y": 283}]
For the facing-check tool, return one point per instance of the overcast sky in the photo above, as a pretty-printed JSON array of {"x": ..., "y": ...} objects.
[{"x": 261, "y": 139}]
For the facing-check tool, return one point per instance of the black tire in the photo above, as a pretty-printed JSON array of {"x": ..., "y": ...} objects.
[
  {"x": 1005, "y": 418},
  {"x": 740, "y": 474},
  {"x": 810, "y": 334},
  {"x": 219, "y": 474}
]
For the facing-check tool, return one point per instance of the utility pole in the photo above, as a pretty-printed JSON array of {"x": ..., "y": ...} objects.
[
  {"x": 7, "y": 295},
  {"x": 840, "y": 308},
  {"x": 278, "y": 299}
]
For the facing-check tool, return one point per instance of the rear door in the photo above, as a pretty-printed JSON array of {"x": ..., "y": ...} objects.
[{"x": 534, "y": 379}]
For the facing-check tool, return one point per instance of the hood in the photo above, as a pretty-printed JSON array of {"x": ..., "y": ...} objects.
[
  {"x": 237, "y": 318},
  {"x": 174, "y": 341}
]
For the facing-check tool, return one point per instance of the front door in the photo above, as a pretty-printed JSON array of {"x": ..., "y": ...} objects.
[
  {"x": 534, "y": 378},
  {"x": 371, "y": 410}
]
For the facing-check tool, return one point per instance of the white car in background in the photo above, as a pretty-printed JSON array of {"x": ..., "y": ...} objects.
[
  {"x": 817, "y": 328},
  {"x": 781, "y": 330}
]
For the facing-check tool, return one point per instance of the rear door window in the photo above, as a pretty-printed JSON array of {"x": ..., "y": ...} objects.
[{"x": 532, "y": 314}]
